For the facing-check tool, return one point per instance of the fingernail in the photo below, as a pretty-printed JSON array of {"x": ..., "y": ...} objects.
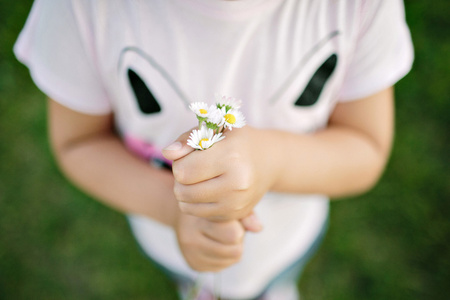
[
  {"x": 174, "y": 146},
  {"x": 256, "y": 222},
  {"x": 259, "y": 224}
]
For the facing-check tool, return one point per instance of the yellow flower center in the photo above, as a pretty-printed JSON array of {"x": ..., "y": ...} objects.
[
  {"x": 231, "y": 119},
  {"x": 202, "y": 140},
  {"x": 203, "y": 111}
]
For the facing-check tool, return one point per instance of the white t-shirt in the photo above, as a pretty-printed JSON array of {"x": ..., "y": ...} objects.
[{"x": 290, "y": 61}]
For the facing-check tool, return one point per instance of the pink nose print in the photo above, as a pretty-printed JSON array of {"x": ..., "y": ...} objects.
[{"x": 147, "y": 151}]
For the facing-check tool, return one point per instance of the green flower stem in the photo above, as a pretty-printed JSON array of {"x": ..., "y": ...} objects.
[
  {"x": 217, "y": 289},
  {"x": 200, "y": 121}
]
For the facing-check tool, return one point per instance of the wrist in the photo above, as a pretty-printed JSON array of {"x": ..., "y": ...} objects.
[{"x": 270, "y": 149}]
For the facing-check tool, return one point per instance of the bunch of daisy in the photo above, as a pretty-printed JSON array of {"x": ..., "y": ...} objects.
[{"x": 214, "y": 120}]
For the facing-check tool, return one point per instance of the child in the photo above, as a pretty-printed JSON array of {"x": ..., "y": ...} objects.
[{"x": 315, "y": 78}]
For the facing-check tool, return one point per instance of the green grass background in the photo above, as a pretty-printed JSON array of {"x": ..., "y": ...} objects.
[{"x": 392, "y": 243}]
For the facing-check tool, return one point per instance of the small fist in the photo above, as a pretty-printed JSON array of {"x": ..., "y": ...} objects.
[
  {"x": 226, "y": 181},
  {"x": 209, "y": 246}
]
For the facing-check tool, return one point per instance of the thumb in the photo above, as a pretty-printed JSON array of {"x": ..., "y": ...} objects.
[
  {"x": 251, "y": 223},
  {"x": 178, "y": 148}
]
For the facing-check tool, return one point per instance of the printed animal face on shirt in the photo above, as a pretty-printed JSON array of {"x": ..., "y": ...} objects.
[{"x": 140, "y": 71}]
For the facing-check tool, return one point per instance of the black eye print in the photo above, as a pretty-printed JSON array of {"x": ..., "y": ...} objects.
[
  {"x": 145, "y": 99},
  {"x": 315, "y": 86}
]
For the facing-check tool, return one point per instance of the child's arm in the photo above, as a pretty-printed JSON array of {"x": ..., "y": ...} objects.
[
  {"x": 346, "y": 158},
  {"x": 93, "y": 158}
]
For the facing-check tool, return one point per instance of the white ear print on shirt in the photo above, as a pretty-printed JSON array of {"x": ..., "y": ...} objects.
[
  {"x": 312, "y": 91},
  {"x": 145, "y": 99},
  {"x": 149, "y": 105},
  {"x": 147, "y": 102}
]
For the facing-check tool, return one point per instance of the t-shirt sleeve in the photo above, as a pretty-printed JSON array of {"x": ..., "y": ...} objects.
[
  {"x": 383, "y": 51},
  {"x": 55, "y": 45}
]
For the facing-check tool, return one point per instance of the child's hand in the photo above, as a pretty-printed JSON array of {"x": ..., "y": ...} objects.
[
  {"x": 209, "y": 246},
  {"x": 225, "y": 181}
]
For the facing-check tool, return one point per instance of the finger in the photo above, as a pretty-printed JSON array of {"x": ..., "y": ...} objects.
[
  {"x": 204, "y": 192},
  {"x": 224, "y": 188},
  {"x": 201, "y": 210},
  {"x": 218, "y": 251},
  {"x": 178, "y": 148},
  {"x": 207, "y": 264},
  {"x": 201, "y": 166},
  {"x": 216, "y": 212},
  {"x": 213, "y": 256},
  {"x": 226, "y": 233},
  {"x": 252, "y": 223}
]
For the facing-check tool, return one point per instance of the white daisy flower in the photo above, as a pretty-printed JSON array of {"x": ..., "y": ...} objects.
[
  {"x": 201, "y": 109},
  {"x": 227, "y": 102},
  {"x": 216, "y": 117},
  {"x": 204, "y": 138},
  {"x": 234, "y": 119}
]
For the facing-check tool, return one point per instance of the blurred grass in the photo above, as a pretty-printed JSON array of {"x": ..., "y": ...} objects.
[{"x": 392, "y": 243}]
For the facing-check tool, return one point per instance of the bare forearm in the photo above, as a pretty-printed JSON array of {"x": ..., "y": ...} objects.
[
  {"x": 345, "y": 158},
  {"x": 336, "y": 162},
  {"x": 103, "y": 168}
]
